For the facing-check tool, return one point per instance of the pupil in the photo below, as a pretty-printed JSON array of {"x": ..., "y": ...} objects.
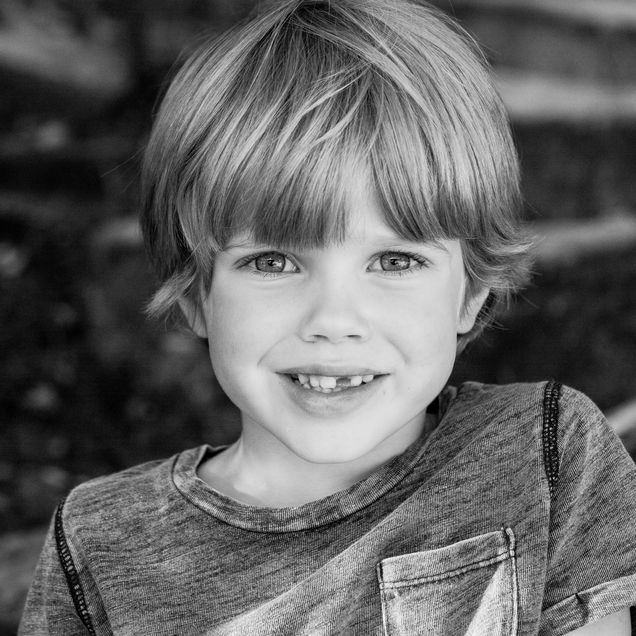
[
  {"x": 394, "y": 262},
  {"x": 270, "y": 262}
]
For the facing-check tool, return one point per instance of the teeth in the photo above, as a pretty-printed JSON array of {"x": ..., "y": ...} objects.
[{"x": 329, "y": 384}]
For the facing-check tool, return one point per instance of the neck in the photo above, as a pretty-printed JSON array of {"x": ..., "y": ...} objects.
[{"x": 254, "y": 474}]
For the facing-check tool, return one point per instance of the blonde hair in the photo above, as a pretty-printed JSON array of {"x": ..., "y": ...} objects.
[{"x": 261, "y": 128}]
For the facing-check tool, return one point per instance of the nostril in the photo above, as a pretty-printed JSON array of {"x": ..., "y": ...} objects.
[
  {"x": 327, "y": 322},
  {"x": 319, "y": 337}
]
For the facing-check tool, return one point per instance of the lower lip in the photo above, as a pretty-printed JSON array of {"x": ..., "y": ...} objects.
[{"x": 335, "y": 403}]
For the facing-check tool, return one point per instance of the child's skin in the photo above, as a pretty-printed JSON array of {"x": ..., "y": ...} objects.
[{"x": 332, "y": 311}]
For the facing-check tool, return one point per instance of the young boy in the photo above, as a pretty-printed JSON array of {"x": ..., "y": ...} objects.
[{"x": 330, "y": 199}]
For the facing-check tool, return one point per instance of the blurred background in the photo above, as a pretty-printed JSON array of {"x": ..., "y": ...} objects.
[{"x": 88, "y": 386}]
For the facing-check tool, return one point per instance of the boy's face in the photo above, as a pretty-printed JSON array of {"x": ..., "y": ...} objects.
[{"x": 374, "y": 306}]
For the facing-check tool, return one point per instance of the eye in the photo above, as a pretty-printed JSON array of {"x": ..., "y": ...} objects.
[
  {"x": 268, "y": 263},
  {"x": 398, "y": 263},
  {"x": 394, "y": 261}
]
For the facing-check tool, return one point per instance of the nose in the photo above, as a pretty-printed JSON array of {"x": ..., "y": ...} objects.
[{"x": 336, "y": 312}]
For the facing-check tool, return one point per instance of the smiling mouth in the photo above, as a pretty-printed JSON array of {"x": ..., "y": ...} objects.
[{"x": 330, "y": 384}]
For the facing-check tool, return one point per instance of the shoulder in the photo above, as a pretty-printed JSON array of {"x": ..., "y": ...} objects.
[
  {"x": 499, "y": 401},
  {"x": 528, "y": 395},
  {"x": 119, "y": 499},
  {"x": 576, "y": 409},
  {"x": 564, "y": 422},
  {"x": 547, "y": 403},
  {"x": 125, "y": 520},
  {"x": 493, "y": 419}
]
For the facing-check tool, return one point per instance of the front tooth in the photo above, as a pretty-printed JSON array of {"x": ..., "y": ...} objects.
[
  {"x": 314, "y": 380},
  {"x": 327, "y": 382},
  {"x": 367, "y": 378},
  {"x": 356, "y": 380}
]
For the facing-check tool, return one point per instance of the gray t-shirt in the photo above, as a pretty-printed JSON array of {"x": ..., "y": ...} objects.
[{"x": 458, "y": 535}]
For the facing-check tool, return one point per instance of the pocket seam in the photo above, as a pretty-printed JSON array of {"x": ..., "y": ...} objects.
[
  {"x": 503, "y": 552},
  {"x": 431, "y": 578}
]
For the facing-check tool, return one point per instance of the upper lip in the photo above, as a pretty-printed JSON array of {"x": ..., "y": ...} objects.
[{"x": 330, "y": 370}]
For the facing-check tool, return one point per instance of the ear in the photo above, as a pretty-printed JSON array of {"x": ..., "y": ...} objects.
[
  {"x": 470, "y": 310},
  {"x": 194, "y": 316}
]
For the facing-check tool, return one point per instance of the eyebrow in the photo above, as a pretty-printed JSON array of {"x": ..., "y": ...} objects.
[
  {"x": 243, "y": 243},
  {"x": 399, "y": 243}
]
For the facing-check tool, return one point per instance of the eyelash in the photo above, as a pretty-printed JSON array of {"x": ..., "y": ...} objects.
[
  {"x": 418, "y": 258},
  {"x": 248, "y": 260}
]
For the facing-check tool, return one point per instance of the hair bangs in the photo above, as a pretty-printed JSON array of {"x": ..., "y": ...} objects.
[
  {"x": 282, "y": 172},
  {"x": 311, "y": 109},
  {"x": 431, "y": 168},
  {"x": 296, "y": 197},
  {"x": 291, "y": 188}
]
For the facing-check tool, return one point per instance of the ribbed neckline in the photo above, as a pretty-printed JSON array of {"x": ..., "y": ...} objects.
[{"x": 311, "y": 515}]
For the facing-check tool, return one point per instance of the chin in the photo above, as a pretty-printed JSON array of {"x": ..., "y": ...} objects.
[{"x": 334, "y": 451}]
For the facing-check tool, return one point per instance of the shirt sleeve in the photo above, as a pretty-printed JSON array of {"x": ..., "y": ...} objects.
[
  {"x": 49, "y": 609},
  {"x": 591, "y": 561}
]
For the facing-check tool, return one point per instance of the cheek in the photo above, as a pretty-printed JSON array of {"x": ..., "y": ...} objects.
[
  {"x": 242, "y": 326},
  {"x": 426, "y": 336},
  {"x": 426, "y": 315}
]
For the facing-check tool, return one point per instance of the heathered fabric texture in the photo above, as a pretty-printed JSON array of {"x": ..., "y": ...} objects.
[{"x": 456, "y": 536}]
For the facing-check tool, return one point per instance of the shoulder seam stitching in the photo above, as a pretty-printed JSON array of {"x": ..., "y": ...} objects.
[
  {"x": 549, "y": 435},
  {"x": 70, "y": 571}
]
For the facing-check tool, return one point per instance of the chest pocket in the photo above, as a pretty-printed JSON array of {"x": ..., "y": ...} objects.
[{"x": 467, "y": 588}]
